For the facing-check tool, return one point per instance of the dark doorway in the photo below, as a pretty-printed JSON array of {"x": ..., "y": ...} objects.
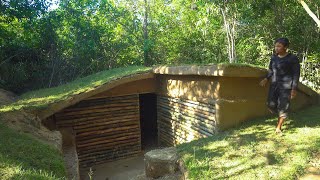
[{"x": 148, "y": 121}]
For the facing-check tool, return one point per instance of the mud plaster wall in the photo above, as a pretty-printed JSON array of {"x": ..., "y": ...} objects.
[
  {"x": 237, "y": 98},
  {"x": 191, "y": 87}
]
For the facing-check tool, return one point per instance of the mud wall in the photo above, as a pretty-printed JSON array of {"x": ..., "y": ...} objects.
[{"x": 235, "y": 99}]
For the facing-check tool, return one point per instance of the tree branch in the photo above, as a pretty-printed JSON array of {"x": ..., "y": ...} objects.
[{"x": 311, "y": 14}]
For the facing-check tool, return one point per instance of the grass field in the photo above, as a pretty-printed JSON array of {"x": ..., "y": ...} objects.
[
  {"x": 23, "y": 157},
  {"x": 254, "y": 151}
]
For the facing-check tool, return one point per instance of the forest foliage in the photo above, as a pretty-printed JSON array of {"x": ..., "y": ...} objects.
[{"x": 43, "y": 47}]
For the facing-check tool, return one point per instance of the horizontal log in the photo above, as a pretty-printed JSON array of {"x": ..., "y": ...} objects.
[
  {"x": 105, "y": 141},
  {"x": 178, "y": 134},
  {"x": 174, "y": 140},
  {"x": 192, "y": 114},
  {"x": 106, "y": 124},
  {"x": 181, "y": 107},
  {"x": 183, "y": 132},
  {"x": 131, "y": 141},
  {"x": 199, "y": 106},
  {"x": 187, "y": 113},
  {"x": 171, "y": 141},
  {"x": 96, "y": 117},
  {"x": 187, "y": 120},
  {"x": 113, "y": 124},
  {"x": 198, "y": 126},
  {"x": 99, "y": 122},
  {"x": 108, "y": 145},
  {"x": 168, "y": 139},
  {"x": 212, "y": 102},
  {"x": 84, "y": 138},
  {"x": 82, "y": 153},
  {"x": 164, "y": 142},
  {"x": 114, "y": 149},
  {"x": 109, "y": 152},
  {"x": 178, "y": 131},
  {"x": 93, "y": 111},
  {"x": 109, "y": 142},
  {"x": 194, "y": 125},
  {"x": 110, "y": 155},
  {"x": 174, "y": 130},
  {"x": 106, "y": 121},
  {"x": 181, "y": 104},
  {"x": 97, "y": 139},
  {"x": 107, "y": 130}
]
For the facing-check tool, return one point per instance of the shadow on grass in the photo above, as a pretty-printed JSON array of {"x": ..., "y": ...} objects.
[
  {"x": 253, "y": 150},
  {"x": 309, "y": 117}
]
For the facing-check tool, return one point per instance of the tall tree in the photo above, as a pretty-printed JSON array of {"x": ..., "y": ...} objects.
[{"x": 311, "y": 14}]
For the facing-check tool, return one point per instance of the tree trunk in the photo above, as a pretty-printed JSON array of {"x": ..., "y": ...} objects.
[
  {"x": 311, "y": 14},
  {"x": 229, "y": 25},
  {"x": 146, "y": 35}
]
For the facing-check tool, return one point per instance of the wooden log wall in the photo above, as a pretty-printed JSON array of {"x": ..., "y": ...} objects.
[
  {"x": 181, "y": 120},
  {"x": 106, "y": 129}
]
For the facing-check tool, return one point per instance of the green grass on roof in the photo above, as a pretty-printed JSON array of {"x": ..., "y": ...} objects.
[
  {"x": 42, "y": 98},
  {"x": 254, "y": 151}
]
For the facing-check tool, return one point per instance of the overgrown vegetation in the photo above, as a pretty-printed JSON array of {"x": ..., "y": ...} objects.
[
  {"x": 41, "y": 47},
  {"x": 254, "y": 151},
  {"x": 42, "y": 98},
  {"x": 23, "y": 157}
]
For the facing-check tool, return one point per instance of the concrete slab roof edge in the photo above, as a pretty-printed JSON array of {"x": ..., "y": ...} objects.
[
  {"x": 212, "y": 70},
  {"x": 224, "y": 70},
  {"x": 201, "y": 70}
]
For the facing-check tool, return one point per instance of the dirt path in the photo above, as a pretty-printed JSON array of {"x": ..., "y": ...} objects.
[{"x": 118, "y": 170}]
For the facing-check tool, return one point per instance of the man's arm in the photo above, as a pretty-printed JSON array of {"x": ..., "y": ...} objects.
[
  {"x": 270, "y": 70},
  {"x": 268, "y": 76}
]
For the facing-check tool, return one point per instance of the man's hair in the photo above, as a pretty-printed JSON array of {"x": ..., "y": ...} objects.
[{"x": 284, "y": 41}]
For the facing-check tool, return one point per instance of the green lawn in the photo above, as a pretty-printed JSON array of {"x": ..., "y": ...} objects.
[
  {"x": 254, "y": 151},
  {"x": 42, "y": 98},
  {"x": 23, "y": 157}
]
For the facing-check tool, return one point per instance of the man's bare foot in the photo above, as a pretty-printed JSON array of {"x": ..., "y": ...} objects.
[{"x": 278, "y": 131}]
